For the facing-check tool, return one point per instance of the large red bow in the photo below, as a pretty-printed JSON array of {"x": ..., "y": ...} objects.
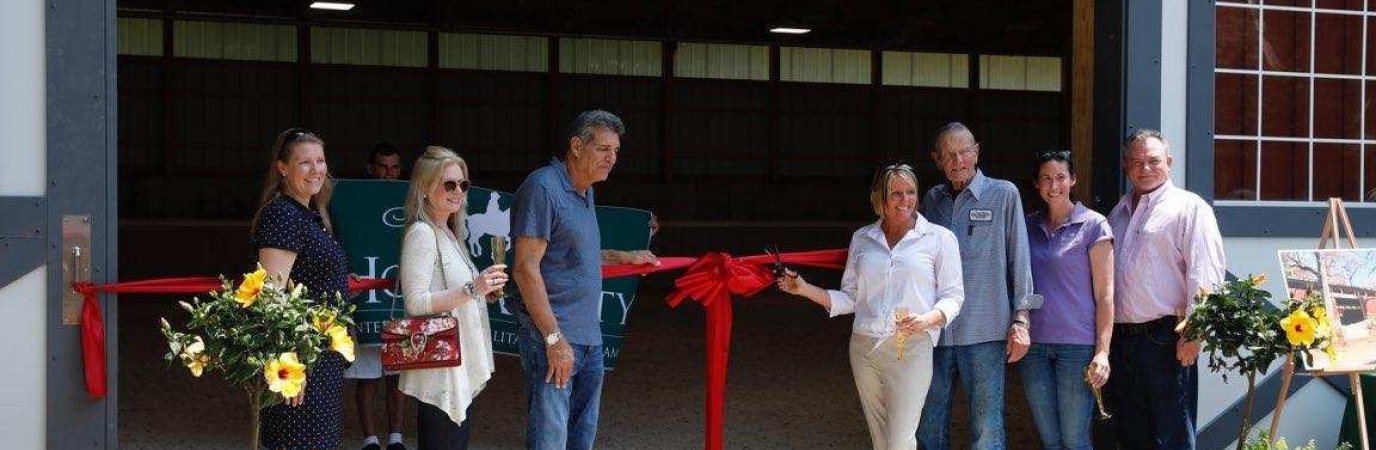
[{"x": 712, "y": 281}]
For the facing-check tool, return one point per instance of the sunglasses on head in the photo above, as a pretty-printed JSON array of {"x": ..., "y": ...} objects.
[
  {"x": 451, "y": 185},
  {"x": 293, "y": 135},
  {"x": 879, "y": 175},
  {"x": 1056, "y": 154}
]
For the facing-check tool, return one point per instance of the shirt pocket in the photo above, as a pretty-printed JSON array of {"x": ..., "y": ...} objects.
[{"x": 983, "y": 238}]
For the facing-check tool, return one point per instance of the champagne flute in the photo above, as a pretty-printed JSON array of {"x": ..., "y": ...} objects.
[
  {"x": 498, "y": 244},
  {"x": 1098, "y": 396},
  {"x": 900, "y": 313}
]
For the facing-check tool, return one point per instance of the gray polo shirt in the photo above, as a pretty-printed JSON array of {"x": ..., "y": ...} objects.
[
  {"x": 548, "y": 208},
  {"x": 989, "y": 225}
]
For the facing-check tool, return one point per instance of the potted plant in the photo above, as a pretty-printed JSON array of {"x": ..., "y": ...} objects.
[
  {"x": 260, "y": 336},
  {"x": 1242, "y": 331}
]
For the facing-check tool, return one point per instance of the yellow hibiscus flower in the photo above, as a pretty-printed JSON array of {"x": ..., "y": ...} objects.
[
  {"x": 1299, "y": 328},
  {"x": 251, "y": 287},
  {"x": 285, "y": 375},
  {"x": 1258, "y": 279},
  {"x": 194, "y": 357},
  {"x": 341, "y": 342},
  {"x": 1324, "y": 329}
]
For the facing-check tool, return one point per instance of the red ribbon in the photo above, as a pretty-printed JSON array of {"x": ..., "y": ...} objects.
[
  {"x": 711, "y": 280},
  {"x": 93, "y": 322}
]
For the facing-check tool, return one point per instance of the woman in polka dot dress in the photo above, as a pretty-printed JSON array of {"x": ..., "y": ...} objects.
[{"x": 292, "y": 233}]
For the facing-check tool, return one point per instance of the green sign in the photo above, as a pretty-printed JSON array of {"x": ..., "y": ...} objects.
[{"x": 369, "y": 219}]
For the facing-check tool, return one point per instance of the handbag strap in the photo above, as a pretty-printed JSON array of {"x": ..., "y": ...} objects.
[{"x": 439, "y": 262}]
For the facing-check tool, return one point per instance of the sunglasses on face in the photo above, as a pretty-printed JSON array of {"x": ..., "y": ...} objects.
[{"x": 451, "y": 185}]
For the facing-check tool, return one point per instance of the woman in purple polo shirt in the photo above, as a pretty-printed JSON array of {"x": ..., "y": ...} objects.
[{"x": 1072, "y": 268}]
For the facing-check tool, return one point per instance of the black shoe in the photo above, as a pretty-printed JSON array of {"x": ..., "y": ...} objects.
[
  {"x": 396, "y": 446},
  {"x": 372, "y": 447}
]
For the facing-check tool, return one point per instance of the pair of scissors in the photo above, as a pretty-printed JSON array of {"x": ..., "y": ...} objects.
[{"x": 780, "y": 270}]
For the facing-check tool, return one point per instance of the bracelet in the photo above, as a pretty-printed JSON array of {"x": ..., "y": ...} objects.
[
  {"x": 470, "y": 289},
  {"x": 1020, "y": 322}
]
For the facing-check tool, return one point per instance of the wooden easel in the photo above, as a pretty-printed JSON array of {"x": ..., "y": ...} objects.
[{"x": 1333, "y": 227}]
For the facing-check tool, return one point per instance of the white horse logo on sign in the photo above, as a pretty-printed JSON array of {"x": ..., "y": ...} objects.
[{"x": 492, "y": 221}]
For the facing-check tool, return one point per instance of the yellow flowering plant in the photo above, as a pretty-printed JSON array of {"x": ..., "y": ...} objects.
[
  {"x": 259, "y": 336},
  {"x": 1242, "y": 331},
  {"x": 1306, "y": 326}
]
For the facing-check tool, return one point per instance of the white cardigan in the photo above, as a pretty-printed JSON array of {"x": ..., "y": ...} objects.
[{"x": 451, "y": 389}]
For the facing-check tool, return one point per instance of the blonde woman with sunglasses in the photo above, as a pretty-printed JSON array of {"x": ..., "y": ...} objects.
[{"x": 435, "y": 213}]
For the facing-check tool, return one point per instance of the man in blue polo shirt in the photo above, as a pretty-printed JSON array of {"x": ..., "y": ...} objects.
[{"x": 558, "y": 268}]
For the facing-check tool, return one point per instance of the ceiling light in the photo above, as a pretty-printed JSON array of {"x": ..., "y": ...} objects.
[
  {"x": 333, "y": 6},
  {"x": 786, "y": 30}
]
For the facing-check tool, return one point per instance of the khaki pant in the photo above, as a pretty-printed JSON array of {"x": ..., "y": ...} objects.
[{"x": 891, "y": 391}]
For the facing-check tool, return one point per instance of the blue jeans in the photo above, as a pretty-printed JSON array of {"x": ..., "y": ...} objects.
[
  {"x": 1153, "y": 399},
  {"x": 1061, "y": 402},
  {"x": 561, "y": 418},
  {"x": 980, "y": 368}
]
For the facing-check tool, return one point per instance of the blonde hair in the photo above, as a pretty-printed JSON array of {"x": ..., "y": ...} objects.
[
  {"x": 879, "y": 190},
  {"x": 283, "y": 148},
  {"x": 425, "y": 176}
]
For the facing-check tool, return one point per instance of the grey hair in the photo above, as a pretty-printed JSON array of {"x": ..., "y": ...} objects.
[
  {"x": 947, "y": 129},
  {"x": 589, "y": 121},
  {"x": 1142, "y": 134}
]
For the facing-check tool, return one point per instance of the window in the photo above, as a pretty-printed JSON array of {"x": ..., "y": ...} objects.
[
  {"x": 824, "y": 65},
  {"x": 1020, "y": 73},
  {"x": 494, "y": 52},
  {"x": 142, "y": 37},
  {"x": 610, "y": 57},
  {"x": 1290, "y": 83},
  {"x": 722, "y": 61},
  {"x": 926, "y": 69},
  {"x": 368, "y": 47},
  {"x": 238, "y": 41}
]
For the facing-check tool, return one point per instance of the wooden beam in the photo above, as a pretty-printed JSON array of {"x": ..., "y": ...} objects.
[{"x": 1082, "y": 97}]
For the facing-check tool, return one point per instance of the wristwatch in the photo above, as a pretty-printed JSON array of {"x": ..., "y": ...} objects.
[{"x": 553, "y": 338}]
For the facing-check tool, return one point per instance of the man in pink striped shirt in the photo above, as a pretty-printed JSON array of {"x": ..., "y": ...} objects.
[{"x": 1168, "y": 248}]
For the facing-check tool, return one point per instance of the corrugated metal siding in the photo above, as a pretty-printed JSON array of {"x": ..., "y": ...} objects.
[
  {"x": 367, "y": 47},
  {"x": 142, "y": 37},
  {"x": 1021, "y": 73},
  {"x": 496, "y": 121},
  {"x": 236, "y": 41},
  {"x": 824, "y": 65},
  {"x": 946, "y": 70},
  {"x": 494, "y": 52},
  {"x": 1044, "y": 74},
  {"x": 720, "y": 129},
  {"x": 610, "y": 57},
  {"x": 823, "y": 132},
  {"x": 733, "y": 62},
  {"x": 636, "y": 101},
  {"x": 354, "y": 108}
]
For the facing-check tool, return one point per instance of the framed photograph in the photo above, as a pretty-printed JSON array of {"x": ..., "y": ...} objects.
[{"x": 1346, "y": 278}]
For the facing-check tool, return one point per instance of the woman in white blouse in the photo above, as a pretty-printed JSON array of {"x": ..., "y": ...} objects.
[
  {"x": 437, "y": 277},
  {"x": 903, "y": 283}
]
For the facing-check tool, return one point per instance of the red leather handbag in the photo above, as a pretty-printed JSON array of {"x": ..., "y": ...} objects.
[{"x": 422, "y": 342}]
